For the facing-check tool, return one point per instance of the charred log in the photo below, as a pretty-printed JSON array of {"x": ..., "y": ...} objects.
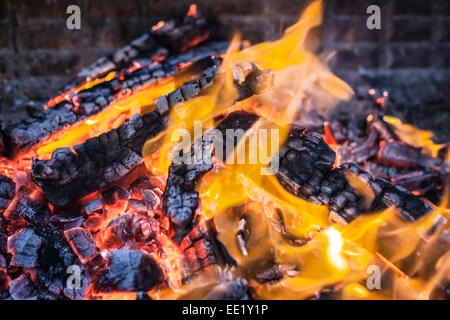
[
  {"x": 22, "y": 136},
  {"x": 202, "y": 249},
  {"x": 173, "y": 36},
  {"x": 129, "y": 270},
  {"x": 306, "y": 171}
]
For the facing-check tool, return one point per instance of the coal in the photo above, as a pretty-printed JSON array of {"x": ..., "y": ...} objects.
[
  {"x": 82, "y": 243},
  {"x": 418, "y": 181},
  {"x": 229, "y": 290},
  {"x": 129, "y": 270},
  {"x": 360, "y": 150},
  {"x": 175, "y": 36},
  {"x": 24, "y": 247},
  {"x": 398, "y": 154},
  {"x": 118, "y": 231},
  {"x": 7, "y": 191},
  {"x": 55, "y": 257},
  {"x": 180, "y": 200},
  {"x": 306, "y": 171},
  {"x": 92, "y": 207}
]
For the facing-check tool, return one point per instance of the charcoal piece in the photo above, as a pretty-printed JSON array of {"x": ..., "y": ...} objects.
[
  {"x": 112, "y": 195},
  {"x": 201, "y": 249},
  {"x": 229, "y": 290},
  {"x": 118, "y": 231},
  {"x": 143, "y": 229},
  {"x": 360, "y": 150},
  {"x": 276, "y": 273},
  {"x": 139, "y": 185},
  {"x": 7, "y": 191},
  {"x": 24, "y": 135},
  {"x": 22, "y": 288},
  {"x": 418, "y": 181},
  {"x": 24, "y": 247},
  {"x": 306, "y": 171},
  {"x": 55, "y": 257},
  {"x": 129, "y": 270},
  {"x": 398, "y": 154},
  {"x": 180, "y": 200},
  {"x": 315, "y": 156},
  {"x": 82, "y": 243},
  {"x": 152, "y": 198},
  {"x": 28, "y": 207}
]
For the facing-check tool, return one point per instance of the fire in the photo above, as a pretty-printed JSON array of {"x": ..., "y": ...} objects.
[
  {"x": 109, "y": 118},
  {"x": 258, "y": 221},
  {"x": 414, "y": 136}
]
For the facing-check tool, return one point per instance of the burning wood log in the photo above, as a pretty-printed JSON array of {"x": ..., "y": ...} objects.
[
  {"x": 22, "y": 136},
  {"x": 306, "y": 171},
  {"x": 164, "y": 38},
  {"x": 180, "y": 198},
  {"x": 129, "y": 270},
  {"x": 102, "y": 160}
]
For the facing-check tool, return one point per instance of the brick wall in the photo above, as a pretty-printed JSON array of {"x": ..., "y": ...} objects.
[{"x": 412, "y": 46}]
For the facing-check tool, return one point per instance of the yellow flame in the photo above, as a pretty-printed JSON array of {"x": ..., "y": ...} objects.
[
  {"x": 414, "y": 136},
  {"x": 110, "y": 118}
]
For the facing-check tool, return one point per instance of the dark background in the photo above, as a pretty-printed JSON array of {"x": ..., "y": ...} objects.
[{"x": 410, "y": 55}]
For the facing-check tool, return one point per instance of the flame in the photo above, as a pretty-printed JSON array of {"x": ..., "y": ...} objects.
[{"x": 414, "y": 136}]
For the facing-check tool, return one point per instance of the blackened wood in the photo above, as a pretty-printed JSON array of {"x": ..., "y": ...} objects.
[
  {"x": 82, "y": 243},
  {"x": 105, "y": 159},
  {"x": 202, "y": 249},
  {"x": 306, "y": 171},
  {"x": 229, "y": 290},
  {"x": 129, "y": 270},
  {"x": 24, "y": 135},
  {"x": 7, "y": 191},
  {"x": 55, "y": 256},
  {"x": 180, "y": 200},
  {"x": 398, "y": 154},
  {"x": 22, "y": 288},
  {"x": 24, "y": 247},
  {"x": 23, "y": 206},
  {"x": 174, "y": 36}
]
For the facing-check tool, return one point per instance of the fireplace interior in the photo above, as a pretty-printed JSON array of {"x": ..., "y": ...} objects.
[{"x": 333, "y": 185}]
